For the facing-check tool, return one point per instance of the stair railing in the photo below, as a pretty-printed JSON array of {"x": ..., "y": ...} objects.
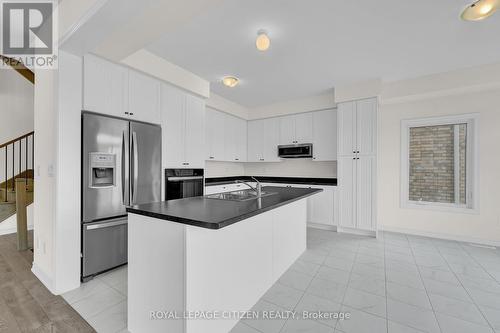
[{"x": 28, "y": 141}]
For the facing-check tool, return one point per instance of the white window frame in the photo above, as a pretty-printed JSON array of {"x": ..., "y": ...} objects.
[{"x": 472, "y": 163}]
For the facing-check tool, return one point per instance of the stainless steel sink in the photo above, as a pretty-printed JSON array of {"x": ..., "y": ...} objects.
[{"x": 241, "y": 195}]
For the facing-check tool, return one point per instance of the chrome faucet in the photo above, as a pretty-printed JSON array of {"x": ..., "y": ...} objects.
[{"x": 257, "y": 188}]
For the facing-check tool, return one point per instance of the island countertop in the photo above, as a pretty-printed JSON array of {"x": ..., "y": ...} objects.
[{"x": 216, "y": 213}]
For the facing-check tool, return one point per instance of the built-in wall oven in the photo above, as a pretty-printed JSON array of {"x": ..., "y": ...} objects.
[{"x": 183, "y": 183}]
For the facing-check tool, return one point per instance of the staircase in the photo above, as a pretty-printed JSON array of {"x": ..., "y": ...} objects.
[{"x": 16, "y": 163}]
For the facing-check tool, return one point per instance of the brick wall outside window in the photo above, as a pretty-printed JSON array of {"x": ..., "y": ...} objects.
[{"x": 432, "y": 163}]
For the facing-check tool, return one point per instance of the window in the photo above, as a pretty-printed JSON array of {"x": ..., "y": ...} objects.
[{"x": 439, "y": 163}]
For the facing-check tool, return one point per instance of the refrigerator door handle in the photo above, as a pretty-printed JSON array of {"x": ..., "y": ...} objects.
[
  {"x": 135, "y": 163},
  {"x": 123, "y": 168},
  {"x": 105, "y": 225}
]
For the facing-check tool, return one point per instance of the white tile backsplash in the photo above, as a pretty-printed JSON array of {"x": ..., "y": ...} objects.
[{"x": 285, "y": 168}]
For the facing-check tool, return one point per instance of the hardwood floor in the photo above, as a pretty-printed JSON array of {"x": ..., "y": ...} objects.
[{"x": 25, "y": 304}]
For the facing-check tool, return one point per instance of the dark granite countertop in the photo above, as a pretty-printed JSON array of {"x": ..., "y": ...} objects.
[
  {"x": 267, "y": 179},
  {"x": 215, "y": 213}
]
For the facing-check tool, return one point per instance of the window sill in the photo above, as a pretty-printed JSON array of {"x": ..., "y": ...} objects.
[{"x": 439, "y": 208}]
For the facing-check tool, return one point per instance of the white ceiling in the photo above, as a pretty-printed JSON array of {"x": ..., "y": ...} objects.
[{"x": 318, "y": 44}]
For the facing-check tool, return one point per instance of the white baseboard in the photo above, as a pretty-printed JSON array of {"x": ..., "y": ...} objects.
[
  {"x": 12, "y": 230},
  {"x": 465, "y": 239},
  {"x": 321, "y": 226},
  {"x": 357, "y": 231},
  {"x": 44, "y": 278}
]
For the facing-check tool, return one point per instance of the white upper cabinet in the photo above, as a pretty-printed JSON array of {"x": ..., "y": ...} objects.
[
  {"x": 183, "y": 128},
  {"x": 195, "y": 132},
  {"x": 226, "y": 137},
  {"x": 304, "y": 127},
  {"x": 241, "y": 140},
  {"x": 366, "y": 124},
  {"x": 235, "y": 139},
  {"x": 105, "y": 87},
  {"x": 144, "y": 98},
  {"x": 325, "y": 135},
  {"x": 346, "y": 118},
  {"x": 115, "y": 90},
  {"x": 255, "y": 141},
  {"x": 214, "y": 150},
  {"x": 357, "y": 122},
  {"x": 296, "y": 129},
  {"x": 287, "y": 130},
  {"x": 271, "y": 139},
  {"x": 263, "y": 140}
]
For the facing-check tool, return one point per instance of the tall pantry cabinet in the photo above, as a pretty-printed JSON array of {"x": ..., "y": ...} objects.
[{"x": 356, "y": 148}]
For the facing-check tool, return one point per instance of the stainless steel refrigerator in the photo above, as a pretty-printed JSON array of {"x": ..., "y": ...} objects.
[{"x": 121, "y": 166}]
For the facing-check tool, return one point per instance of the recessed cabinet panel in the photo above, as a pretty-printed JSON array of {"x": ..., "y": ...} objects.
[
  {"x": 241, "y": 140},
  {"x": 255, "y": 141},
  {"x": 365, "y": 192},
  {"x": 271, "y": 139},
  {"x": 346, "y": 188},
  {"x": 214, "y": 135},
  {"x": 105, "y": 87},
  {"x": 173, "y": 126},
  {"x": 365, "y": 126},
  {"x": 346, "y": 128},
  {"x": 144, "y": 98},
  {"x": 304, "y": 127},
  {"x": 195, "y": 132},
  {"x": 325, "y": 135},
  {"x": 183, "y": 123},
  {"x": 287, "y": 130}
]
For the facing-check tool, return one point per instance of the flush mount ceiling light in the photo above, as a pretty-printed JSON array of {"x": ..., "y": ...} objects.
[
  {"x": 262, "y": 42},
  {"x": 479, "y": 10},
  {"x": 230, "y": 81}
]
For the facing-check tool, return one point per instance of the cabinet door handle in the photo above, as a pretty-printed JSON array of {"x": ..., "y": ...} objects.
[
  {"x": 236, "y": 159},
  {"x": 211, "y": 157},
  {"x": 126, "y": 112},
  {"x": 131, "y": 113},
  {"x": 185, "y": 163},
  {"x": 261, "y": 159}
]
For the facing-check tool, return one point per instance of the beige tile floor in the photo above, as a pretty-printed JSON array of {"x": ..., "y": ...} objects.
[{"x": 396, "y": 283}]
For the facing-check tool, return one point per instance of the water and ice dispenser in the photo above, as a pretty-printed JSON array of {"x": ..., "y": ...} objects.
[{"x": 102, "y": 170}]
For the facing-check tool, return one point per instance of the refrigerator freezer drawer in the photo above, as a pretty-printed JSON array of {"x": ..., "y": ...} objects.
[{"x": 104, "y": 246}]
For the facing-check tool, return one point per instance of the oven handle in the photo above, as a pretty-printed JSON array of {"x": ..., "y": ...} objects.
[{"x": 179, "y": 179}]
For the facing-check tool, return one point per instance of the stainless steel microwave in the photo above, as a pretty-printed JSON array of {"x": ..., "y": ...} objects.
[{"x": 304, "y": 150}]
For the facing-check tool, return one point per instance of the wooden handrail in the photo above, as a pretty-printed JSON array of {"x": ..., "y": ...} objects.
[
  {"x": 19, "y": 67},
  {"x": 16, "y": 139}
]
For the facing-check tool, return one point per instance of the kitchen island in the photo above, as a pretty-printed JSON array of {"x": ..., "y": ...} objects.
[{"x": 195, "y": 263}]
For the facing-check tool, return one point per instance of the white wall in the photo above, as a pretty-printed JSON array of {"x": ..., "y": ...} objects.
[
  {"x": 286, "y": 168},
  {"x": 311, "y": 103},
  {"x": 223, "y": 169},
  {"x": 458, "y": 92},
  {"x": 158, "y": 67},
  {"x": 16, "y": 114},
  {"x": 45, "y": 185},
  {"x": 57, "y": 175},
  {"x": 16, "y": 100},
  {"x": 221, "y": 104},
  {"x": 293, "y": 168},
  {"x": 483, "y": 227}
]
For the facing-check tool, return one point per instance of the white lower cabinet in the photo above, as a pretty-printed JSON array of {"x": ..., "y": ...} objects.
[
  {"x": 321, "y": 207},
  {"x": 212, "y": 189}
]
